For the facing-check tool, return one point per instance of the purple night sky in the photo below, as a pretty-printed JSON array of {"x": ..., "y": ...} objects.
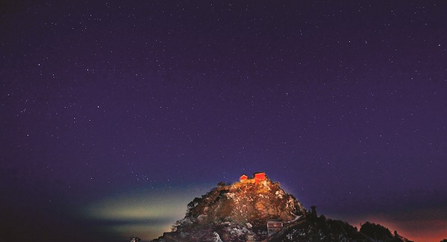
[{"x": 115, "y": 114}]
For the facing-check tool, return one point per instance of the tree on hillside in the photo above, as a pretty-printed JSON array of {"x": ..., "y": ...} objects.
[{"x": 135, "y": 239}]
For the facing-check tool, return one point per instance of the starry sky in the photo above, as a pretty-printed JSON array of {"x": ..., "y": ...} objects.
[{"x": 115, "y": 114}]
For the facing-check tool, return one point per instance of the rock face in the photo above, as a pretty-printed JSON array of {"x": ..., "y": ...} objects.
[
  {"x": 259, "y": 210},
  {"x": 245, "y": 202}
]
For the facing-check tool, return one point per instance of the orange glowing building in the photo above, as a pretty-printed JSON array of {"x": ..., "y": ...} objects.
[
  {"x": 257, "y": 177},
  {"x": 243, "y": 177}
]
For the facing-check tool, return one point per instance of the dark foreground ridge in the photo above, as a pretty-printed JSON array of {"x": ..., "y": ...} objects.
[{"x": 257, "y": 209}]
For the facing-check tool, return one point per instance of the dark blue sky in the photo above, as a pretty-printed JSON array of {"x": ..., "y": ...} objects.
[{"x": 115, "y": 114}]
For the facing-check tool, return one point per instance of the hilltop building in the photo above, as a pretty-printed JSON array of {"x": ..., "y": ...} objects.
[{"x": 257, "y": 177}]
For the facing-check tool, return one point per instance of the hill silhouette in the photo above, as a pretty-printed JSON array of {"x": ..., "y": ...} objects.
[{"x": 257, "y": 209}]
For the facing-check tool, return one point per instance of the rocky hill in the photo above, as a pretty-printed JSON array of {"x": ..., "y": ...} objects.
[{"x": 257, "y": 209}]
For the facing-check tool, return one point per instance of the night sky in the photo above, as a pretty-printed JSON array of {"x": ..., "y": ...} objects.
[{"x": 115, "y": 114}]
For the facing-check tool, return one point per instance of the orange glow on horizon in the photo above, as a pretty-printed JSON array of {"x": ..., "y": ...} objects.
[{"x": 415, "y": 230}]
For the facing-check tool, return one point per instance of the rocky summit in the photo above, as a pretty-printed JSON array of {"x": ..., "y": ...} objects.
[{"x": 257, "y": 209}]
